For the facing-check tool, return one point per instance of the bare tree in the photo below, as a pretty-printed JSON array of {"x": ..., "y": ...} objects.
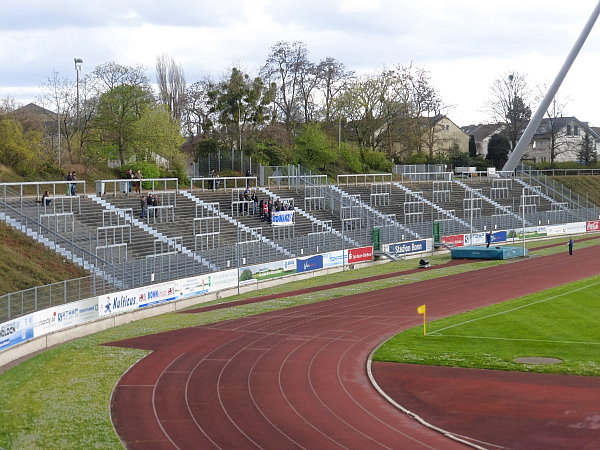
[
  {"x": 509, "y": 104},
  {"x": 366, "y": 104},
  {"x": 7, "y": 105},
  {"x": 334, "y": 78},
  {"x": 553, "y": 123},
  {"x": 284, "y": 66},
  {"x": 420, "y": 109},
  {"x": 309, "y": 78},
  {"x": 58, "y": 94},
  {"x": 171, "y": 85},
  {"x": 197, "y": 120}
]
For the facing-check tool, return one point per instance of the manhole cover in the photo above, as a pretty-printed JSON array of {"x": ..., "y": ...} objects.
[{"x": 537, "y": 360}]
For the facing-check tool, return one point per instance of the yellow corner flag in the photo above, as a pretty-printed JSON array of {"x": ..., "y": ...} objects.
[{"x": 422, "y": 310}]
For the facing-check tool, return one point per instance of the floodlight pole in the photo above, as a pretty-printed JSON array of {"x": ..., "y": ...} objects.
[{"x": 535, "y": 121}]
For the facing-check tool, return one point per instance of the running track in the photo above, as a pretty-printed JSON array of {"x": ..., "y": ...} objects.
[{"x": 297, "y": 378}]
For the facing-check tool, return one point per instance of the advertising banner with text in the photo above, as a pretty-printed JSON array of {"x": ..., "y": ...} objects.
[
  {"x": 308, "y": 264},
  {"x": 63, "y": 316},
  {"x": 592, "y": 225},
  {"x": 409, "y": 247},
  {"x": 457, "y": 240},
  {"x": 282, "y": 218},
  {"x": 16, "y": 331},
  {"x": 356, "y": 255}
]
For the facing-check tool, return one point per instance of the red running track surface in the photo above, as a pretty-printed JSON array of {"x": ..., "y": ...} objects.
[{"x": 297, "y": 378}]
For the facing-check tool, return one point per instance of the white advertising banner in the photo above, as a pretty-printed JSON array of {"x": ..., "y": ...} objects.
[
  {"x": 576, "y": 227},
  {"x": 63, "y": 316},
  {"x": 192, "y": 286},
  {"x": 156, "y": 294},
  {"x": 332, "y": 259},
  {"x": 118, "y": 302},
  {"x": 222, "y": 280},
  {"x": 282, "y": 218}
]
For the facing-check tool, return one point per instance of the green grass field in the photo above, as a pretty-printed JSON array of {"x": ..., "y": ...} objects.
[
  {"x": 60, "y": 398},
  {"x": 561, "y": 323}
]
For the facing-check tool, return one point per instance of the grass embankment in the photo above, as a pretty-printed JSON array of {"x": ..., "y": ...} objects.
[
  {"x": 60, "y": 398},
  {"x": 24, "y": 263},
  {"x": 587, "y": 186},
  {"x": 558, "y": 323}
]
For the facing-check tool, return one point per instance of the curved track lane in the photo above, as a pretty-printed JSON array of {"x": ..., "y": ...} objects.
[{"x": 296, "y": 378}]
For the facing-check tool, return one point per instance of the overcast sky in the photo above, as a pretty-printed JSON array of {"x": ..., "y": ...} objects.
[{"x": 464, "y": 44}]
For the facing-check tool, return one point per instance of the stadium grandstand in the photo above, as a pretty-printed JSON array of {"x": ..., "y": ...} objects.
[{"x": 218, "y": 224}]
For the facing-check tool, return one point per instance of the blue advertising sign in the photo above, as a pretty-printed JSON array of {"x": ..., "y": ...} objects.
[
  {"x": 307, "y": 264},
  {"x": 16, "y": 331},
  {"x": 499, "y": 236}
]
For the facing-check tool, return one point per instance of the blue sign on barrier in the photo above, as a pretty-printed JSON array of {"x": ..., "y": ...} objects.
[
  {"x": 499, "y": 236},
  {"x": 408, "y": 247},
  {"x": 16, "y": 331},
  {"x": 307, "y": 264}
]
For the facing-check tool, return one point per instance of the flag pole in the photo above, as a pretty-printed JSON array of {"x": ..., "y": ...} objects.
[{"x": 423, "y": 310}]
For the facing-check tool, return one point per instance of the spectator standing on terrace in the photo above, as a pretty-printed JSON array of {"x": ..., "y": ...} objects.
[
  {"x": 129, "y": 176},
  {"x": 69, "y": 178},
  {"x": 144, "y": 206},
  {"x": 138, "y": 184},
  {"x": 73, "y": 185},
  {"x": 248, "y": 178},
  {"x": 254, "y": 202},
  {"x": 213, "y": 183}
]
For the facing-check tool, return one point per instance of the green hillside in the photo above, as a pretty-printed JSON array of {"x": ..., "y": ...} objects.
[
  {"x": 588, "y": 186},
  {"x": 25, "y": 263}
]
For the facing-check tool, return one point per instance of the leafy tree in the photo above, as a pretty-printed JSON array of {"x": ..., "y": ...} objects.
[
  {"x": 18, "y": 149},
  {"x": 349, "y": 159},
  {"x": 156, "y": 133},
  {"x": 124, "y": 93},
  {"x": 240, "y": 103},
  {"x": 376, "y": 161},
  {"x": 587, "y": 153},
  {"x": 267, "y": 152},
  {"x": 246, "y": 275},
  {"x": 456, "y": 158},
  {"x": 314, "y": 149},
  {"x": 472, "y": 147},
  {"x": 498, "y": 150},
  {"x": 118, "y": 111}
]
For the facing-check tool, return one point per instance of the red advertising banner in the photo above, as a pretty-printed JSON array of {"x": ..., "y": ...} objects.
[
  {"x": 360, "y": 254},
  {"x": 457, "y": 240},
  {"x": 592, "y": 225}
]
